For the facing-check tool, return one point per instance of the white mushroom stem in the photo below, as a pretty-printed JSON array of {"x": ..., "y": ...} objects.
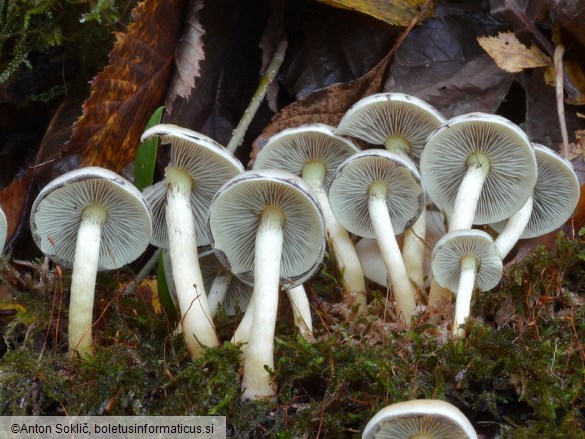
[
  {"x": 256, "y": 382},
  {"x": 218, "y": 290},
  {"x": 85, "y": 266},
  {"x": 464, "y": 294},
  {"x": 514, "y": 228},
  {"x": 301, "y": 311},
  {"x": 404, "y": 293},
  {"x": 478, "y": 167},
  {"x": 438, "y": 295},
  {"x": 413, "y": 246},
  {"x": 413, "y": 251},
  {"x": 196, "y": 319},
  {"x": 342, "y": 247}
]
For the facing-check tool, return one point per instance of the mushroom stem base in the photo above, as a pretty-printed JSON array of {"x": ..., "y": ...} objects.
[
  {"x": 259, "y": 354},
  {"x": 85, "y": 266},
  {"x": 464, "y": 294},
  {"x": 196, "y": 320},
  {"x": 404, "y": 293}
]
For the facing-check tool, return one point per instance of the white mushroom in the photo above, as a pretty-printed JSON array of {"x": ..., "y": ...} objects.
[
  {"x": 314, "y": 152},
  {"x": 198, "y": 167},
  {"x": 479, "y": 168},
  {"x": 3, "y": 229},
  {"x": 266, "y": 227},
  {"x": 377, "y": 194},
  {"x": 401, "y": 123},
  {"x": 92, "y": 219},
  {"x": 419, "y": 419},
  {"x": 554, "y": 199},
  {"x": 463, "y": 259}
]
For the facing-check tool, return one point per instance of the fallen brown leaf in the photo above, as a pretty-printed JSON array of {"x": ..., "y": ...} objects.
[
  {"x": 127, "y": 91},
  {"x": 14, "y": 202}
]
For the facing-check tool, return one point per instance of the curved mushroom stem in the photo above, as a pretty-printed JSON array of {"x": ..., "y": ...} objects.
[
  {"x": 301, "y": 311},
  {"x": 348, "y": 263},
  {"x": 413, "y": 251},
  {"x": 478, "y": 166},
  {"x": 85, "y": 265},
  {"x": 464, "y": 294},
  {"x": 514, "y": 228},
  {"x": 218, "y": 290},
  {"x": 256, "y": 382},
  {"x": 404, "y": 294},
  {"x": 196, "y": 317},
  {"x": 438, "y": 295}
]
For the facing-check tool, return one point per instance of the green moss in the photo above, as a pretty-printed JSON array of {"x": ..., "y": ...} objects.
[
  {"x": 520, "y": 372},
  {"x": 79, "y": 30}
]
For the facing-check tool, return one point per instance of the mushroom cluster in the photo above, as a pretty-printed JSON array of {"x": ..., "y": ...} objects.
[{"x": 236, "y": 238}]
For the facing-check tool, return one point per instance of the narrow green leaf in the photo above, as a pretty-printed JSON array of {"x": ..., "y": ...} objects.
[
  {"x": 164, "y": 294},
  {"x": 146, "y": 155}
]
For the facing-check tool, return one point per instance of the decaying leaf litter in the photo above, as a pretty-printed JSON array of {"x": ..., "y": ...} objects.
[{"x": 439, "y": 61}]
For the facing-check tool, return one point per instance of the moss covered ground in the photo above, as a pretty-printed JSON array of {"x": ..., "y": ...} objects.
[{"x": 519, "y": 373}]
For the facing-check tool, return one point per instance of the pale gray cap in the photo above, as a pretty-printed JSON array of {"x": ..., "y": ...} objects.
[
  {"x": 208, "y": 163},
  {"x": 453, "y": 246},
  {"x": 555, "y": 197},
  {"x": 383, "y": 115},
  {"x": 453, "y": 145},
  {"x": 235, "y": 214},
  {"x": 431, "y": 418},
  {"x": 292, "y": 148},
  {"x": 57, "y": 211},
  {"x": 349, "y": 190}
]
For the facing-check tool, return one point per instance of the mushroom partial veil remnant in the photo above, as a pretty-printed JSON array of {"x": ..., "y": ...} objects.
[
  {"x": 267, "y": 228},
  {"x": 479, "y": 168},
  {"x": 553, "y": 201},
  {"x": 197, "y": 168},
  {"x": 462, "y": 260},
  {"x": 419, "y": 419},
  {"x": 377, "y": 194},
  {"x": 314, "y": 152},
  {"x": 91, "y": 219}
]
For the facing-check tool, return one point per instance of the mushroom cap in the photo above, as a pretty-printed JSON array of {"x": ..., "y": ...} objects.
[
  {"x": 292, "y": 148},
  {"x": 3, "y": 229},
  {"x": 555, "y": 196},
  {"x": 379, "y": 116},
  {"x": 453, "y": 246},
  {"x": 512, "y": 172},
  {"x": 349, "y": 190},
  {"x": 238, "y": 293},
  {"x": 234, "y": 217},
  {"x": 435, "y": 418},
  {"x": 56, "y": 214},
  {"x": 208, "y": 163}
]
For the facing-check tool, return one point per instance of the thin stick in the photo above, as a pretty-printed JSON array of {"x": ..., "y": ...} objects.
[
  {"x": 559, "y": 77},
  {"x": 147, "y": 268},
  {"x": 267, "y": 78}
]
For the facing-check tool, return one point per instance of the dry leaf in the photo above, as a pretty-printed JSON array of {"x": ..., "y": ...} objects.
[
  {"x": 396, "y": 12},
  {"x": 511, "y": 55},
  {"x": 14, "y": 200},
  {"x": 189, "y": 55},
  {"x": 127, "y": 91},
  {"x": 324, "y": 106}
]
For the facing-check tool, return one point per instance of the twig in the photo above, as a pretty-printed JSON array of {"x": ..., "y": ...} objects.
[
  {"x": 147, "y": 268},
  {"x": 250, "y": 112},
  {"x": 559, "y": 78}
]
